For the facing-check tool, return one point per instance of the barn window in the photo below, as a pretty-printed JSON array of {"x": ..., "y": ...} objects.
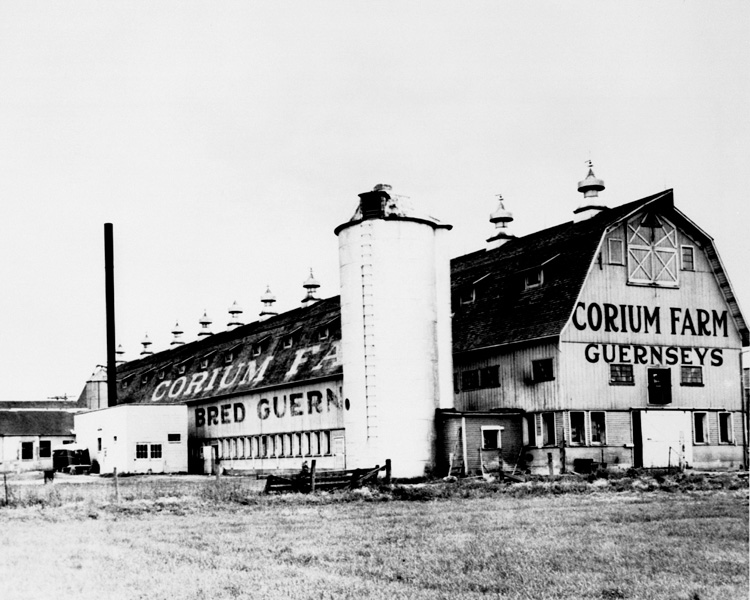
[
  {"x": 467, "y": 296},
  {"x": 700, "y": 428},
  {"x": 534, "y": 278},
  {"x": 155, "y": 450},
  {"x": 470, "y": 380},
  {"x": 489, "y": 377},
  {"x": 548, "y": 429},
  {"x": 691, "y": 376},
  {"x": 325, "y": 443},
  {"x": 491, "y": 438},
  {"x": 45, "y": 448},
  {"x": 542, "y": 370},
  {"x": 616, "y": 254},
  {"x": 726, "y": 430},
  {"x": 27, "y": 450},
  {"x": 621, "y": 375},
  {"x": 577, "y": 427},
  {"x": 652, "y": 251},
  {"x": 141, "y": 450},
  {"x": 598, "y": 428},
  {"x": 688, "y": 258}
]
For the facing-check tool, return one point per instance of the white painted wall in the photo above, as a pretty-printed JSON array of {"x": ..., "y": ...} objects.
[
  {"x": 124, "y": 426},
  {"x": 396, "y": 341}
]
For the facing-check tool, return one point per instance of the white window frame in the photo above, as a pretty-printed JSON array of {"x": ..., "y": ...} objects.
[
  {"x": 649, "y": 259},
  {"x": 704, "y": 416},
  {"x": 610, "y": 244},
  {"x": 731, "y": 427},
  {"x": 591, "y": 428},
  {"x": 690, "y": 383},
  {"x": 499, "y": 430},
  {"x": 146, "y": 446},
  {"x": 585, "y": 429},
  {"x": 684, "y": 247}
]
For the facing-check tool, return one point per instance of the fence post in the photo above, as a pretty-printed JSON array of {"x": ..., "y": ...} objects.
[
  {"x": 312, "y": 475},
  {"x": 388, "y": 471},
  {"x": 5, "y": 485},
  {"x": 117, "y": 486}
]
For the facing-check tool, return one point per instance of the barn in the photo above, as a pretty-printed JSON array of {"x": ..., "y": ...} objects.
[{"x": 614, "y": 338}]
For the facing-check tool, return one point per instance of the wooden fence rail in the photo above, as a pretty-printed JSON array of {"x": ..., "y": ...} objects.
[{"x": 313, "y": 480}]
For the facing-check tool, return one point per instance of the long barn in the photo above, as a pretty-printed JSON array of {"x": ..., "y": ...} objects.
[{"x": 613, "y": 339}]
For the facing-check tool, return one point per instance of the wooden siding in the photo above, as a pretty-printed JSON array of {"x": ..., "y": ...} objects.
[
  {"x": 516, "y": 387},
  {"x": 585, "y": 373}
]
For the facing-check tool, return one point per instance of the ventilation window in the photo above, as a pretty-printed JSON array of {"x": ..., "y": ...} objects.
[{"x": 467, "y": 296}]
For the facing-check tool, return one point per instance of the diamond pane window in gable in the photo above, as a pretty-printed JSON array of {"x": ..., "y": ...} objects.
[{"x": 652, "y": 251}]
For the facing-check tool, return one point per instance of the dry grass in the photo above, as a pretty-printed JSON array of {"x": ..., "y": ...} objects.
[{"x": 173, "y": 539}]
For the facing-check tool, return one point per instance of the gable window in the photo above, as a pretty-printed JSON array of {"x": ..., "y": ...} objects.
[
  {"x": 577, "y": 427},
  {"x": 45, "y": 448},
  {"x": 659, "y": 386},
  {"x": 542, "y": 370},
  {"x": 534, "y": 278},
  {"x": 27, "y": 450},
  {"x": 726, "y": 429},
  {"x": 621, "y": 375},
  {"x": 598, "y": 428},
  {"x": 700, "y": 428},
  {"x": 491, "y": 438},
  {"x": 548, "y": 429},
  {"x": 691, "y": 376},
  {"x": 652, "y": 251},
  {"x": 616, "y": 253},
  {"x": 688, "y": 258}
]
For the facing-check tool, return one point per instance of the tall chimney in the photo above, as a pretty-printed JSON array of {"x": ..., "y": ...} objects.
[{"x": 109, "y": 283}]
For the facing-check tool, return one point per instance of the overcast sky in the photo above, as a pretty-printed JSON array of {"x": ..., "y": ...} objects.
[{"x": 226, "y": 140}]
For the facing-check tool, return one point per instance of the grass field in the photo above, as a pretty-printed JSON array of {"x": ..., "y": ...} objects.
[{"x": 173, "y": 538}]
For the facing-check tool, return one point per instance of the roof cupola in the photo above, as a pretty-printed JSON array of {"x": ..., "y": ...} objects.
[
  {"x": 205, "y": 323},
  {"x": 145, "y": 342},
  {"x": 591, "y": 204},
  {"x": 120, "y": 354},
  {"x": 501, "y": 218},
  {"x": 311, "y": 285},
  {"x": 268, "y": 300},
  {"x": 234, "y": 315},
  {"x": 177, "y": 333}
]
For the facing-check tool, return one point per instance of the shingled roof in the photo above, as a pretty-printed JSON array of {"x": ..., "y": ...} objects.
[
  {"x": 36, "y": 422},
  {"x": 137, "y": 380},
  {"x": 503, "y": 311}
]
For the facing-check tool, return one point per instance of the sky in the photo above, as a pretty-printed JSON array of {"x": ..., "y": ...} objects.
[{"x": 226, "y": 140}]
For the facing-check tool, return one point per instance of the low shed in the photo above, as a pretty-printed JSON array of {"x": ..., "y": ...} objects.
[
  {"x": 27, "y": 438},
  {"x": 136, "y": 438}
]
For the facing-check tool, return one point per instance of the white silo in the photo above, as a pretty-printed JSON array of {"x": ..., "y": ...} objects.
[{"x": 396, "y": 332}]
